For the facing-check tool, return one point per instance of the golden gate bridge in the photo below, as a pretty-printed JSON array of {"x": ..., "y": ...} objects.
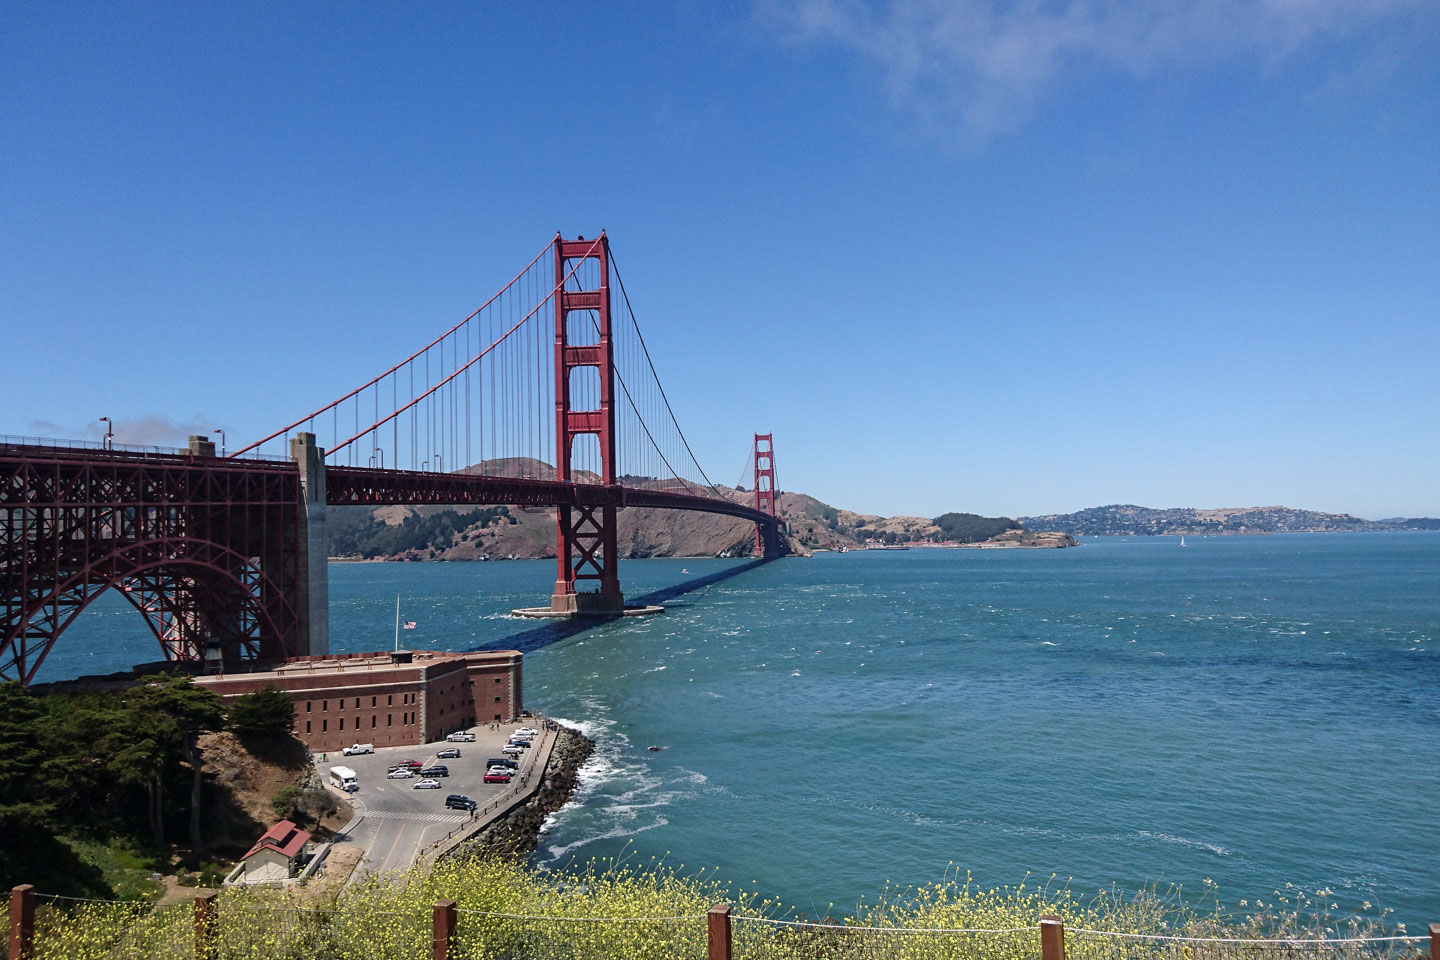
[{"x": 546, "y": 395}]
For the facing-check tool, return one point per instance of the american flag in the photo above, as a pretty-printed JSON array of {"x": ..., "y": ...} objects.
[{"x": 410, "y": 624}]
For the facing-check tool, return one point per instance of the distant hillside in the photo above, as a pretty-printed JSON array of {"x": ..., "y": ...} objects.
[
  {"x": 499, "y": 533},
  {"x": 1128, "y": 519}
]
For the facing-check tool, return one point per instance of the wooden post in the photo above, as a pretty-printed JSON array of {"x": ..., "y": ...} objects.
[
  {"x": 207, "y": 931},
  {"x": 1052, "y": 938},
  {"x": 444, "y": 928},
  {"x": 22, "y": 922},
  {"x": 1434, "y": 940},
  {"x": 718, "y": 933}
]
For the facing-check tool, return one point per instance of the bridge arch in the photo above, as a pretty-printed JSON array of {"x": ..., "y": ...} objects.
[{"x": 189, "y": 591}]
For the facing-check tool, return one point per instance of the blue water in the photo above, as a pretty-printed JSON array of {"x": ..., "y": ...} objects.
[{"x": 1252, "y": 710}]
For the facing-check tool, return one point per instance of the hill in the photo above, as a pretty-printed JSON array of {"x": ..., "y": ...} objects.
[
  {"x": 499, "y": 533},
  {"x": 1128, "y": 519}
]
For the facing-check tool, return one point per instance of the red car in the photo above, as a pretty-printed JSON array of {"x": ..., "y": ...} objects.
[
  {"x": 412, "y": 764},
  {"x": 497, "y": 777}
]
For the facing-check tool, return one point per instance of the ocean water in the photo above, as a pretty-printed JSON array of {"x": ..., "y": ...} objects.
[{"x": 1247, "y": 710}]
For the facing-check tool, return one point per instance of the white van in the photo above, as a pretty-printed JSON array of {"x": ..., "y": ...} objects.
[
  {"x": 344, "y": 778},
  {"x": 358, "y": 748}
]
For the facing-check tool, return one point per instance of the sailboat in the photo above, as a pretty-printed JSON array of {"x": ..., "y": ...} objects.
[{"x": 1182, "y": 539}]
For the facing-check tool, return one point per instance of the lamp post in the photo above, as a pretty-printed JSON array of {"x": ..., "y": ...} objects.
[
  {"x": 109, "y": 442},
  {"x": 222, "y": 440},
  {"x": 439, "y": 464},
  {"x": 381, "y": 454}
]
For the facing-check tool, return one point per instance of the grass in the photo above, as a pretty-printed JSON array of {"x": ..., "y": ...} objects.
[
  {"x": 126, "y": 868},
  {"x": 615, "y": 910}
]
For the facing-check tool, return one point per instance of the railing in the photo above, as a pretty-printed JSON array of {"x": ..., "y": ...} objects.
[
  {"x": 217, "y": 926},
  {"x": 100, "y": 446}
]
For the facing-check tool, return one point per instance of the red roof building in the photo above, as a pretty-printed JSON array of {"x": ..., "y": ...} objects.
[{"x": 276, "y": 855}]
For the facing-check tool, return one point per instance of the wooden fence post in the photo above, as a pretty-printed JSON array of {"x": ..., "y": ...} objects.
[
  {"x": 22, "y": 922},
  {"x": 1434, "y": 940},
  {"x": 444, "y": 928},
  {"x": 207, "y": 931},
  {"x": 1052, "y": 938},
  {"x": 718, "y": 932}
]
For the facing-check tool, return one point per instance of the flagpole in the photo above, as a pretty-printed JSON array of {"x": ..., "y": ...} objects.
[{"x": 397, "y": 623}]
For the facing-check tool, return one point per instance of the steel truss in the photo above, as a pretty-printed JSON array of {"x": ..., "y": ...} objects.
[{"x": 207, "y": 550}]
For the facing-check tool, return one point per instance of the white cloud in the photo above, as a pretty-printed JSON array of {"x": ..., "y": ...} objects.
[{"x": 981, "y": 65}]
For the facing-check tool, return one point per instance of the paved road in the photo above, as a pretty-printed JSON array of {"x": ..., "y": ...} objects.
[{"x": 401, "y": 821}]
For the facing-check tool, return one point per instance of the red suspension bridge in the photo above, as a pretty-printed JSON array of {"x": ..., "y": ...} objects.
[{"x": 544, "y": 396}]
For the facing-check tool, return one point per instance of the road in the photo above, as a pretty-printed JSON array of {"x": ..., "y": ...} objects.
[{"x": 399, "y": 821}]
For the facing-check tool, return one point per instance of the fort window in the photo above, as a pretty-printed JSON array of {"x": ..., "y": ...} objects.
[
  {"x": 373, "y": 721},
  {"x": 372, "y": 702},
  {"x": 389, "y": 699},
  {"x": 307, "y": 726},
  {"x": 325, "y": 706},
  {"x": 307, "y": 706},
  {"x": 342, "y": 723},
  {"x": 357, "y": 703},
  {"x": 324, "y": 726}
]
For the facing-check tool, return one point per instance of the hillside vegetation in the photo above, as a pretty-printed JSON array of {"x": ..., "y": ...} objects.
[
  {"x": 103, "y": 788},
  {"x": 614, "y": 911}
]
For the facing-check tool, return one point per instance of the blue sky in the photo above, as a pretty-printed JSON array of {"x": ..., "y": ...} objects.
[{"x": 1009, "y": 258}]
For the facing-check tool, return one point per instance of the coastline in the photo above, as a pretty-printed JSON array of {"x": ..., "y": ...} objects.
[{"x": 518, "y": 832}]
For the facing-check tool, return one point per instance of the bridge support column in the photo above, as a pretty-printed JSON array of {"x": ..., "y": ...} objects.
[
  {"x": 313, "y": 576},
  {"x": 586, "y": 543},
  {"x": 767, "y": 535}
]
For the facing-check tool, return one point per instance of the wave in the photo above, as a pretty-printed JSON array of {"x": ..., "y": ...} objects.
[{"x": 1214, "y": 848}]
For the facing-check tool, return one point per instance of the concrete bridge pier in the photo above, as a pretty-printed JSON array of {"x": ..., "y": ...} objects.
[{"x": 313, "y": 577}]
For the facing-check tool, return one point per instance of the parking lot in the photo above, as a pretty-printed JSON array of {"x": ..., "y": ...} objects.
[{"x": 400, "y": 822}]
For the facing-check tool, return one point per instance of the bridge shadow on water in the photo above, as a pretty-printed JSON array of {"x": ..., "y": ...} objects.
[{"x": 553, "y": 631}]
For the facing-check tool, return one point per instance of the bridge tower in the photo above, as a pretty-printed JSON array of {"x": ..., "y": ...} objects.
[
  {"x": 586, "y": 549},
  {"x": 766, "y": 535}
]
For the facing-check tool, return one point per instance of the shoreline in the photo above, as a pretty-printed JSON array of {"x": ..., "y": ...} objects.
[{"x": 517, "y": 833}]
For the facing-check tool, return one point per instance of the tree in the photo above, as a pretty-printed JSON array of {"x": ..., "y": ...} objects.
[
  {"x": 173, "y": 712},
  {"x": 267, "y": 713}
]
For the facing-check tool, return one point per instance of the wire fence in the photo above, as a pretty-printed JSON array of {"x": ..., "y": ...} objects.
[{"x": 255, "y": 925}]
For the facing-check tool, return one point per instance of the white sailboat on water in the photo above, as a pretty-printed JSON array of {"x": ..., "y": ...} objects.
[{"x": 1182, "y": 539}]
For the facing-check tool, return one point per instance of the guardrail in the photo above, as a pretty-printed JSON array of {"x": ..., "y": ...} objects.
[{"x": 217, "y": 926}]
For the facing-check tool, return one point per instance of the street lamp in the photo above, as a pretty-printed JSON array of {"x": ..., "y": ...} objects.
[
  {"x": 222, "y": 440},
  {"x": 381, "y": 454},
  {"x": 109, "y": 442},
  {"x": 439, "y": 464}
]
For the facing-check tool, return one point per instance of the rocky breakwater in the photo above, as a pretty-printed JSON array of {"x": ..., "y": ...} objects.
[{"x": 518, "y": 832}]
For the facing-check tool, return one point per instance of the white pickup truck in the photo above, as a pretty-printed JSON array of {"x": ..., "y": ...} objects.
[{"x": 358, "y": 748}]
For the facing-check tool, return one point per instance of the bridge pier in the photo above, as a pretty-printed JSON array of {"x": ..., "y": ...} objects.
[{"x": 312, "y": 603}]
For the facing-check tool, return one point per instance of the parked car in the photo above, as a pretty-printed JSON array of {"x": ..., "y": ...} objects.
[
  {"x": 426, "y": 784},
  {"x": 458, "y": 802},
  {"x": 400, "y": 773},
  {"x": 358, "y": 748},
  {"x": 510, "y": 750},
  {"x": 503, "y": 762},
  {"x": 449, "y": 753},
  {"x": 439, "y": 770},
  {"x": 497, "y": 775},
  {"x": 460, "y": 736},
  {"x": 528, "y": 731},
  {"x": 412, "y": 764}
]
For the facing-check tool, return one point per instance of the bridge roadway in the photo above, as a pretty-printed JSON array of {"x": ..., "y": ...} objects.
[{"x": 396, "y": 825}]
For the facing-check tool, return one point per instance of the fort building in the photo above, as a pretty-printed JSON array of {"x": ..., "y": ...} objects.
[{"x": 389, "y": 699}]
